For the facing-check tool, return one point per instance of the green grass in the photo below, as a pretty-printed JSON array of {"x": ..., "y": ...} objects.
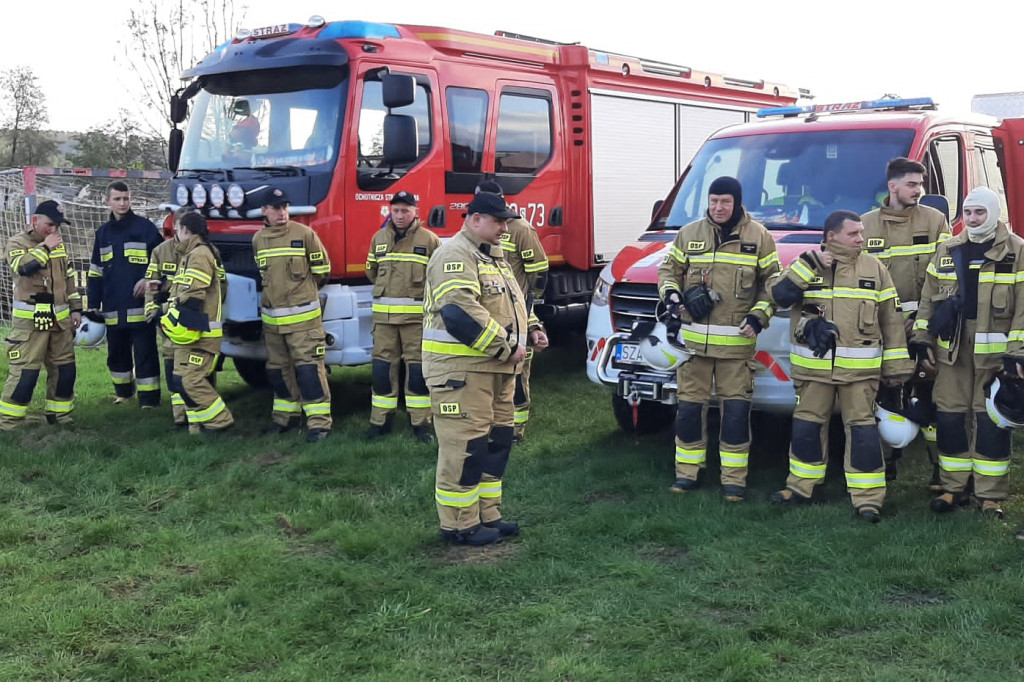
[{"x": 128, "y": 552}]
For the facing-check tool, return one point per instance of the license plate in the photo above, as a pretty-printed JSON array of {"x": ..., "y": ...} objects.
[{"x": 628, "y": 353}]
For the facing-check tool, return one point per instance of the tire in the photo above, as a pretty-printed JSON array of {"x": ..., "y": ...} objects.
[
  {"x": 253, "y": 372},
  {"x": 650, "y": 417}
]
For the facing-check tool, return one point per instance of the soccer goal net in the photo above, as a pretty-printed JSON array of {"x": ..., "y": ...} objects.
[{"x": 81, "y": 195}]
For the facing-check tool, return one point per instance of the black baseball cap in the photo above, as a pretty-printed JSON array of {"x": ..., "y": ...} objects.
[
  {"x": 490, "y": 186},
  {"x": 404, "y": 197},
  {"x": 275, "y": 197},
  {"x": 51, "y": 210},
  {"x": 491, "y": 204}
]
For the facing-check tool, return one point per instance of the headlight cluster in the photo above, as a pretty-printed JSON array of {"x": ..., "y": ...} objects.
[
  {"x": 214, "y": 197},
  {"x": 602, "y": 289}
]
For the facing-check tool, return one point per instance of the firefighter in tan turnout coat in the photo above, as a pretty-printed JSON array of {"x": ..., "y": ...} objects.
[
  {"x": 847, "y": 333},
  {"x": 397, "y": 267},
  {"x": 716, "y": 268},
  {"x": 474, "y": 341}
]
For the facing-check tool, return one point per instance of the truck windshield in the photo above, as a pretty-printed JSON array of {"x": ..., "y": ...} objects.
[
  {"x": 792, "y": 180},
  {"x": 264, "y": 130}
]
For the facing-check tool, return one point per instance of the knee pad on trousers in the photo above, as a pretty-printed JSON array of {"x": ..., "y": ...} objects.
[
  {"x": 417, "y": 384},
  {"x": 275, "y": 378},
  {"x": 66, "y": 375},
  {"x": 473, "y": 466},
  {"x": 308, "y": 379},
  {"x": 22, "y": 394},
  {"x": 689, "y": 428},
  {"x": 168, "y": 374},
  {"x": 179, "y": 388},
  {"x": 951, "y": 433},
  {"x": 382, "y": 377},
  {"x": 499, "y": 447},
  {"x": 806, "y": 441},
  {"x": 520, "y": 395},
  {"x": 990, "y": 441},
  {"x": 735, "y": 421},
  {"x": 865, "y": 447}
]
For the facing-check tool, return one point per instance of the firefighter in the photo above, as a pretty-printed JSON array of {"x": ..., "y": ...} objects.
[
  {"x": 474, "y": 341},
  {"x": 529, "y": 262},
  {"x": 47, "y": 309},
  {"x": 903, "y": 234},
  {"x": 396, "y": 266},
  {"x": 293, "y": 264},
  {"x": 193, "y": 324},
  {"x": 713, "y": 279},
  {"x": 847, "y": 333},
  {"x": 970, "y": 326},
  {"x": 116, "y": 287},
  {"x": 163, "y": 266}
]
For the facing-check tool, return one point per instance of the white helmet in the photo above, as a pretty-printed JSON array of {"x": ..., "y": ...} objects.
[
  {"x": 90, "y": 334},
  {"x": 895, "y": 430},
  {"x": 662, "y": 350},
  {"x": 1005, "y": 403}
]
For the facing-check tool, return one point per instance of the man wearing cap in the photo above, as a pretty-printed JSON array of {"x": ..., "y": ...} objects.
[
  {"x": 293, "y": 265},
  {"x": 970, "y": 325},
  {"x": 47, "y": 310},
  {"x": 529, "y": 262},
  {"x": 903, "y": 234},
  {"x": 397, "y": 267},
  {"x": 713, "y": 279},
  {"x": 116, "y": 287},
  {"x": 474, "y": 341}
]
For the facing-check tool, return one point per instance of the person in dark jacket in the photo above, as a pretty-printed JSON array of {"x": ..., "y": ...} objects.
[{"x": 116, "y": 289}]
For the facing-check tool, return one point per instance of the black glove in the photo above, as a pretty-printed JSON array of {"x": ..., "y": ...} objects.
[
  {"x": 1011, "y": 365},
  {"x": 697, "y": 301},
  {"x": 754, "y": 322},
  {"x": 93, "y": 316},
  {"x": 811, "y": 259},
  {"x": 945, "y": 318},
  {"x": 820, "y": 336},
  {"x": 918, "y": 351},
  {"x": 161, "y": 297},
  {"x": 672, "y": 300}
]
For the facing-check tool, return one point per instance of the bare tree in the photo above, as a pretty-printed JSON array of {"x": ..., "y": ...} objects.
[
  {"x": 118, "y": 143},
  {"x": 24, "y": 112},
  {"x": 166, "y": 37}
]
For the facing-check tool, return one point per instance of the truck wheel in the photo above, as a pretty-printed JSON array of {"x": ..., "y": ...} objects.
[
  {"x": 253, "y": 372},
  {"x": 651, "y": 417}
]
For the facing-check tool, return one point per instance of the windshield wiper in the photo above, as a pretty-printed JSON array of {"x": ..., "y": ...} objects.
[
  {"x": 199, "y": 173},
  {"x": 281, "y": 171}
]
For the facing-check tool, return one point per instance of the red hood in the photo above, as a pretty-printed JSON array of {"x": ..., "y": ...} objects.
[{"x": 639, "y": 261}]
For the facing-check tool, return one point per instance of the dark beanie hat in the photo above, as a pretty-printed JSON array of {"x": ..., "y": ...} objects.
[{"x": 727, "y": 185}]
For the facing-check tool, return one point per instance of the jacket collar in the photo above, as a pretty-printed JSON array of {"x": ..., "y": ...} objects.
[
  {"x": 486, "y": 248},
  {"x": 1000, "y": 244}
]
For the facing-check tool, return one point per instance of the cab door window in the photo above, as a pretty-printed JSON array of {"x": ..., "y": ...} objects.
[
  {"x": 371, "y": 131},
  {"x": 524, "y": 132},
  {"x": 944, "y": 165},
  {"x": 988, "y": 168}
]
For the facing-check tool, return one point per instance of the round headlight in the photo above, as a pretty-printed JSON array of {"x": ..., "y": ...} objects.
[
  {"x": 216, "y": 196},
  {"x": 199, "y": 196},
  {"x": 236, "y": 197},
  {"x": 181, "y": 195}
]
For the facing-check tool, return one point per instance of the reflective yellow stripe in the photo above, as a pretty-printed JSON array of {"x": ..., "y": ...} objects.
[
  {"x": 868, "y": 480},
  {"x": 397, "y": 309},
  {"x": 405, "y": 258},
  {"x": 800, "y": 469},
  {"x": 197, "y": 274},
  {"x": 490, "y": 490},
  {"x": 447, "y": 348},
  {"x": 802, "y": 271},
  {"x": 290, "y": 319},
  {"x": 59, "y": 406},
  {"x": 385, "y": 402},
  {"x": 988, "y": 467},
  {"x": 535, "y": 267},
  {"x": 955, "y": 463},
  {"x": 934, "y": 272},
  {"x": 772, "y": 257},
  {"x": 733, "y": 459},
  {"x": 521, "y": 417},
  {"x": 448, "y": 498},
  {"x": 313, "y": 409},
  {"x": 13, "y": 409},
  {"x": 487, "y": 335},
  {"x": 451, "y": 284},
  {"x": 685, "y": 456},
  {"x": 288, "y": 406},
  {"x": 203, "y": 416},
  {"x": 417, "y": 402},
  {"x": 282, "y": 252},
  {"x": 678, "y": 254}
]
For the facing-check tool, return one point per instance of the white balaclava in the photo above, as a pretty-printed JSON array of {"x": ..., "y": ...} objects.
[{"x": 988, "y": 200}]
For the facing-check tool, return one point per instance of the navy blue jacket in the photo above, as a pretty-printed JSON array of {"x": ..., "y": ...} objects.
[{"x": 120, "y": 257}]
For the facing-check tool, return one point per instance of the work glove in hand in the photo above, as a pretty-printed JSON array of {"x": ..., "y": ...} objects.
[
  {"x": 945, "y": 318},
  {"x": 697, "y": 301},
  {"x": 673, "y": 299},
  {"x": 754, "y": 323},
  {"x": 820, "y": 336}
]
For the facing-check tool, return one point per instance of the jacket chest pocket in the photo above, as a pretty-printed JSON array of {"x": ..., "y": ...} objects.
[
  {"x": 867, "y": 317},
  {"x": 745, "y": 279},
  {"x": 298, "y": 268},
  {"x": 1002, "y": 301},
  {"x": 492, "y": 286}
]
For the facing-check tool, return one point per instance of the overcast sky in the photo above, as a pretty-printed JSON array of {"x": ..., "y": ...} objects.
[{"x": 841, "y": 51}]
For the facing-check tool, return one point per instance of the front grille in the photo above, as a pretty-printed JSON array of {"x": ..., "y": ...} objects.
[
  {"x": 631, "y": 302},
  {"x": 236, "y": 254}
]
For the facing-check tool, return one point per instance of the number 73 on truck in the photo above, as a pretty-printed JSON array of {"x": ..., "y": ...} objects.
[{"x": 342, "y": 115}]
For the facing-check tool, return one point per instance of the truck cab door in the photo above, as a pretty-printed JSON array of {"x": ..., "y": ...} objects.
[{"x": 1009, "y": 140}]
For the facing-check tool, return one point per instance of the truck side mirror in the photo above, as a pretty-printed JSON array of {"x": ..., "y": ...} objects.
[
  {"x": 657, "y": 207},
  {"x": 179, "y": 108},
  {"x": 401, "y": 139},
  {"x": 397, "y": 90},
  {"x": 174, "y": 143}
]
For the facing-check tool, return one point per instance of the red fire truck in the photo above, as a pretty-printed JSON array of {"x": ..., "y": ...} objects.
[
  {"x": 796, "y": 165},
  {"x": 341, "y": 115}
]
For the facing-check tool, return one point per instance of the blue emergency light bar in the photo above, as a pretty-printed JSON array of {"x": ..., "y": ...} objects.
[{"x": 923, "y": 102}]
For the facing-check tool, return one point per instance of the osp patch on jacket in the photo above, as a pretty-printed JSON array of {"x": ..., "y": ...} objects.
[
  {"x": 454, "y": 267},
  {"x": 695, "y": 245}
]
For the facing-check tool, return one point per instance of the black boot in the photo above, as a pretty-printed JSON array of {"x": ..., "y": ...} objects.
[
  {"x": 476, "y": 536},
  {"x": 378, "y": 430}
]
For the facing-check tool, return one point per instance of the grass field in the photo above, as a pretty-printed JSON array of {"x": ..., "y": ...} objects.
[{"x": 128, "y": 552}]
